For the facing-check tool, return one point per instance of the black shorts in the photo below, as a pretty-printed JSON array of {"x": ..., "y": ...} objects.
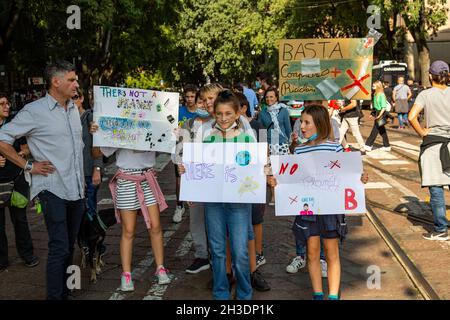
[
  {"x": 325, "y": 226},
  {"x": 177, "y": 174},
  {"x": 258, "y": 213}
]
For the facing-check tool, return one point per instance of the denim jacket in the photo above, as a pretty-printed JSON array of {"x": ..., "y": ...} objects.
[{"x": 285, "y": 126}]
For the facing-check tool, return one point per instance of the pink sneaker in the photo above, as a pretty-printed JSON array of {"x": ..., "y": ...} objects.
[
  {"x": 126, "y": 284},
  {"x": 162, "y": 275}
]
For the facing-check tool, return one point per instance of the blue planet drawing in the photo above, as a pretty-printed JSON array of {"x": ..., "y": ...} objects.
[{"x": 243, "y": 158}]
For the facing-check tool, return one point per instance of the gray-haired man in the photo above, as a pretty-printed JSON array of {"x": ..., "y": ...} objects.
[{"x": 53, "y": 130}]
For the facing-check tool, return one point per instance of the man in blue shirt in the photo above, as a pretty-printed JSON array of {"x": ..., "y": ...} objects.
[
  {"x": 251, "y": 97},
  {"x": 52, "y": 127}
]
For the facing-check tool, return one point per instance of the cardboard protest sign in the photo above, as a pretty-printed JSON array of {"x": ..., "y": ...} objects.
[
  {"x": 224, "y": 172},
  {"x": 318, "y": 183},
  {"x": 135, "y": 118},
  {"x": 326, "y": 69}
]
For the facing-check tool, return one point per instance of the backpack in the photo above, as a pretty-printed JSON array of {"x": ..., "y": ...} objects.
[
  {"x": 388, "y": 106},
  {"x": 6, "y": 189}
]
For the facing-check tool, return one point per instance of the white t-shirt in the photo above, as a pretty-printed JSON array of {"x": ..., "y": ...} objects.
[
  {"x": 436, "y": 103},
  {"x": 131, "y": 159},
  {"x": 206, "y": 128},
  {"x": 401, "y": 92}
]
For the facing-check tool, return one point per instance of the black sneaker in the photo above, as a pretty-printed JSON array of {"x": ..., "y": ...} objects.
[
  {"x": 258, "y": 282},
  {"x": 3, "y": 268},
  {"x": 198, "y": 265},
  {"x": 32, "y": 262},
  {"x": 438, "y": 236}
]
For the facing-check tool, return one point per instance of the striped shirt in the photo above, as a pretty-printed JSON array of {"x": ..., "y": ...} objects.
[
  {"x": 126, "y": 194},
  {"x": 328, "y": 146}
]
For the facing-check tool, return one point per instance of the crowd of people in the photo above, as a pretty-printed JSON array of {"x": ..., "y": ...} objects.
[{"x": 50, "y": 142}]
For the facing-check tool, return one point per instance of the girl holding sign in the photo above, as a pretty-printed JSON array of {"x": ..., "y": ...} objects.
[
  {"x": 133, "y": 188},
  {"x": 308, "y": 229},
  {"x": 232, "y": 220}
]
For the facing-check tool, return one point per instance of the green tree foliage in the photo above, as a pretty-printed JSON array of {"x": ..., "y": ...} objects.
[
  {"x": 326, "y": 19},
  {"x": 422, "y": 19},
  {"x": 180, "y": 41},
  {"x": 116, "y": 36},
  {"x": 230, "y": 39},
  {"x": 145, "y": 80}
]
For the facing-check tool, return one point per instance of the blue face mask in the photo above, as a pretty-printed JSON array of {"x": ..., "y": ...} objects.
[
  {"x": 257, "y": 85},
  {"x": 302, "y": 140},
  {"x": 202, "y": 113}
]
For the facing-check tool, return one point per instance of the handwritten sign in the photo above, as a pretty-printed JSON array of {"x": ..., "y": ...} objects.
[
  {"x": 224, "y": 172},
  {"x": 135, "y": 119},
  {"x": 318, "y": 183},
  {"x": 326, "y": 69}
]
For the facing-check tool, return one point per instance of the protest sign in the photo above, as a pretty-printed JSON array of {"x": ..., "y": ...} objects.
[
  {"x": 135, "y": 119},
  {"x": 318, "y": 183},
  {"x": 224, "y": 172},
  {"x": 326, "y": 69}
]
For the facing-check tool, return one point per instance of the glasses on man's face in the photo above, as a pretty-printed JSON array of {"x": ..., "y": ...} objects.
[{"x": 4, "y": 104}]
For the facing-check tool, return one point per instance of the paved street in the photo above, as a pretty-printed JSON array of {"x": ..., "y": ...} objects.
[{"x": 393, "y": 192}]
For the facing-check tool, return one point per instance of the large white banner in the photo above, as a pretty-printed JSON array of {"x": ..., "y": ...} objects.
[
  {"x": 224, "y": 172},
  {"x": 135, "y": 118},
  {"x": 318, "y": 183}
]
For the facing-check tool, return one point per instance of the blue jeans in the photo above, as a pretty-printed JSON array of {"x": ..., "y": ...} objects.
[
  {"x": 91, "y": 196},
  {"x": 63, "y": 219},
  {"x": 437, "y": 202},
  {"x": 402, "y": 119},
  {"x": 232, "y": 219},
  {"x": 300, "y": 249}
]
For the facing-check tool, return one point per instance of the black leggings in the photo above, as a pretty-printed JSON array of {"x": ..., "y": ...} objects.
[{"x": 373, "y": 135}]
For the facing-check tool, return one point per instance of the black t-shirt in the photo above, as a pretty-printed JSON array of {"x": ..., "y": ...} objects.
[
  {"x": 388, "y": 94},
  {"x": 352, "y": 113},
  {"x": 10, "y": 171}
]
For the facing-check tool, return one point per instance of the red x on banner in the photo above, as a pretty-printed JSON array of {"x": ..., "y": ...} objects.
[{"x": 356, "y": 82}]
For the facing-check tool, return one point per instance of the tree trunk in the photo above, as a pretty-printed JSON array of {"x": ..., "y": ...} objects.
[
  {"x": 424, "y": 61},
  {"x": 420, "y": 37},
  {"x": 11, "y": 22}
]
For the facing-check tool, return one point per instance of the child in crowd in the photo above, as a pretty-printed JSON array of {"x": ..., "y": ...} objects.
[
  {"x": 309, "y": 229},
  {"x": 228, "y": 219},
  {"x": 186, "y": 111},
  {"x": 134, "y": 187},
  {"x": 190, "y": 129}
]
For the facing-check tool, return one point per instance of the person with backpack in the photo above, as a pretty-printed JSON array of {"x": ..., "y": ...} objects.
[
  {"x": 12, "y": 179},
  {"x": 379, "y": 104},
  {"x": 402, "y": 93},
  {"x": 350, "y": 115}
]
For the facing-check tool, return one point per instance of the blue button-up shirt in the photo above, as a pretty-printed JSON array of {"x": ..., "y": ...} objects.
[
  {"x": 252, "y": 99},
  {"x": 55, "y": 135}
]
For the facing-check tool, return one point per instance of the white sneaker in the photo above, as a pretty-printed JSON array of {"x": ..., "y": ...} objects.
[
  {"x": 324, "y": 267},
  {"x": 385, "y": 148},
  {"x": 367, "y": 148},
  {"x": 163, "y": 277},
  {"x": 297, "y": 263},
  {"x": 126, "y": 284},
  {"x": 178, "y": 214}
]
